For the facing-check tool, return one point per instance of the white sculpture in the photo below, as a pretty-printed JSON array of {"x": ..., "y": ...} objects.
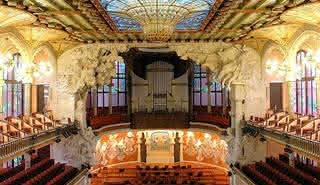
[{"x": 228, "y": 62}]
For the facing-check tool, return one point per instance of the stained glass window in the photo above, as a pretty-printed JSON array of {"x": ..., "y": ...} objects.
[
  {"x": 200, "y": 89},
  {"x": 306, "y": 88},
  {"x": 12, "y": 91},
  {"x": 119, "y": 90},
  {"x": 132, "y": 14}
]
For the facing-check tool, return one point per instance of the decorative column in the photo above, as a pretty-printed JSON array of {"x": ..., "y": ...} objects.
[
  {"x": 290, "y": 153},
  {"x": 94, "y": 94},
  {"x": 80, "y": 113},
  {"x": 237, "y": 105},
  {"x": 27, "y": 99},
  {"x": 27, "y": 160},
  {"x": 110, "y": 98},
  {"x": 209, "y": 96}
]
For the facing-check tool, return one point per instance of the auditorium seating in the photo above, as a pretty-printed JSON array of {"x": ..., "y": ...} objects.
[
  {"x": 279, "y": 172},
  {"x": 12, "y": 128},
  {"x": 304, "y": 126},
  {"x": 42, "y": 171}
]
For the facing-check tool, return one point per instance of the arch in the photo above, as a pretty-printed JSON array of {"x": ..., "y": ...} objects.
[
  {"x": 276, "y": 52},
  {"x": 303, "y": 35},
  {"x": 50, "y": 54},
  {"x": 19, "y": 42}
]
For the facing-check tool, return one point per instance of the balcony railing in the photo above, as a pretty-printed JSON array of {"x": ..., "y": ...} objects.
[
  {"x": 308, "y": 147},
  {"x": 19, "y": 146}
]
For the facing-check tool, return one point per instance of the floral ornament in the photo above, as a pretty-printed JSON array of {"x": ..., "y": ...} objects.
[
  {"x": 228, "y": 62},
  {"x": 91, "y": 66}
]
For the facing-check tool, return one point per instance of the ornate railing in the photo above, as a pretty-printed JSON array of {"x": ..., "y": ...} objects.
[
  {"x": 299, "y": 144},
  {"x": 22, "y": 145},
  {"x": 78, "y": 179}
]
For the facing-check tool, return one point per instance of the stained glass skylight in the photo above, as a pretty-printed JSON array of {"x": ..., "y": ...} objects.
[{"x": 134, "y": 15}]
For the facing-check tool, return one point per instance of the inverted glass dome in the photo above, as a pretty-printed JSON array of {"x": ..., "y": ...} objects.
[{"x": 135, "y": 15}]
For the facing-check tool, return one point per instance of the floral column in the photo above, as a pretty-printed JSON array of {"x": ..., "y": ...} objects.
[{"x": 237, "y": 104}]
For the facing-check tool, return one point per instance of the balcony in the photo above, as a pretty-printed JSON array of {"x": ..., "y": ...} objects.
[
  {"x": 19, "y": 146},
  {"x": 310, "y": 148}
]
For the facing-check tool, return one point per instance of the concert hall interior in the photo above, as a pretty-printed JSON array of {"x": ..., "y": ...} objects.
[{"x": 159, "y": 92}]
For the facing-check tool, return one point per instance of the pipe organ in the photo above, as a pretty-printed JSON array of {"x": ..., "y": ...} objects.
[{"x": 159, "y": 77}]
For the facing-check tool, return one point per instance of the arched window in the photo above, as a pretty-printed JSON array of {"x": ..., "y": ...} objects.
[
  {"x": 306, "y": 89},
  {"x": 12, "y": 91}
]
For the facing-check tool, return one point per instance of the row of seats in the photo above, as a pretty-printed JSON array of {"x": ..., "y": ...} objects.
[
  {"x": 275, "y": 175},
  {"x": 278, "y": 172},
  {"x": 64, "y": 177},
  {"x": 256, "y": 176},
  {"x": 29, "y": 173},
  {"x": 311, "y": 170},
  {"x": 292, "y": 172},
  {"x": 43, "y": 172},
  {"x": 304, "y": 126},
  {"x": 46, "y": 175},
  {"x": 6, "y": 173},
  {"x": 13, "y": 128}
]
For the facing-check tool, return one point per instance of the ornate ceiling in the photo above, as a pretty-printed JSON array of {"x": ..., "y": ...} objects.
[{"x": 110, "y": 21}]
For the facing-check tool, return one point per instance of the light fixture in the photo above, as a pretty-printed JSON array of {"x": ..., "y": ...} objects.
[
  {"x": 284, "y": 68},
  {"x": 28, "y": 71},
  {"x": 158, "y": 19},
  {"x": 6, "y": 63}
]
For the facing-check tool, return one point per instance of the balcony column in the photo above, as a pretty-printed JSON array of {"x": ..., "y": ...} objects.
[
  {"x": 209, "y": 96},
  {"x": 27, "y": 99},
  {"x": 94, "y": 99},
  {"x": 237, "y": 111},
  {"x": 110, "y": 98},
  {"x": 27, "y": 160}
]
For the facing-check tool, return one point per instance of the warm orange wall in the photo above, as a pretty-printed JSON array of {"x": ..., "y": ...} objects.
[
  {"x": 212, "y": 149},
  {"x": 113, "y": 154},
  {"x": 274, "y": 149}
]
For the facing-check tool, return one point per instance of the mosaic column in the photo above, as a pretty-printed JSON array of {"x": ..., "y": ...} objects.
[{"x": 237, "y": 112}]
